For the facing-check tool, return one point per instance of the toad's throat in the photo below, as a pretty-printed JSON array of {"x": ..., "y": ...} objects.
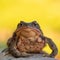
[{"x": 28, "y": 32}]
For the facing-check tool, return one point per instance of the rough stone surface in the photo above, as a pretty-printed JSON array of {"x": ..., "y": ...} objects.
[{"x": 35, "y": 57}]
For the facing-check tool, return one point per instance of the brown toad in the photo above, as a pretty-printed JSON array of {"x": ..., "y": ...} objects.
[{"x": 28, "y": 38}]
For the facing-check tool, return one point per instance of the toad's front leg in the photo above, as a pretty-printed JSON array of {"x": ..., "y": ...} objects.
[{"x": 52, "y": 46}]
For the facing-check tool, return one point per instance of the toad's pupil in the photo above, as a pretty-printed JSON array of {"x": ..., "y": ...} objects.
[
  {"x": 21, "y": 24},
  {"x": 34, "y": 24}
]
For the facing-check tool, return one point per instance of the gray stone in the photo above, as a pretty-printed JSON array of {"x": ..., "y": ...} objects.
[{"x": 34, "y": 57}]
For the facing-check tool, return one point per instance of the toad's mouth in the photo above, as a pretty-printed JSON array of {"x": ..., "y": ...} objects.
[{"x": 28, "y": 31}]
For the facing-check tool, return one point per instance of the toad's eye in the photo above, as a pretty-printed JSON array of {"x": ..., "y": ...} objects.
[
  {"x": 21, "y": 24},
  {"x": 34, "y": 24}
]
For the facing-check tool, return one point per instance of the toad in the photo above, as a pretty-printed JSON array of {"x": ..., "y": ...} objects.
[{"x": 27, "y": 39}]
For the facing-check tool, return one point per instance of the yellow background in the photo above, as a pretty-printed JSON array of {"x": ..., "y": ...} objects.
[{"x": 45, "y": 12}]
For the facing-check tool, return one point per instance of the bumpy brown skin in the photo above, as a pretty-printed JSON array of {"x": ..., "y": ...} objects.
[{"x": 28, "y": 38}]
